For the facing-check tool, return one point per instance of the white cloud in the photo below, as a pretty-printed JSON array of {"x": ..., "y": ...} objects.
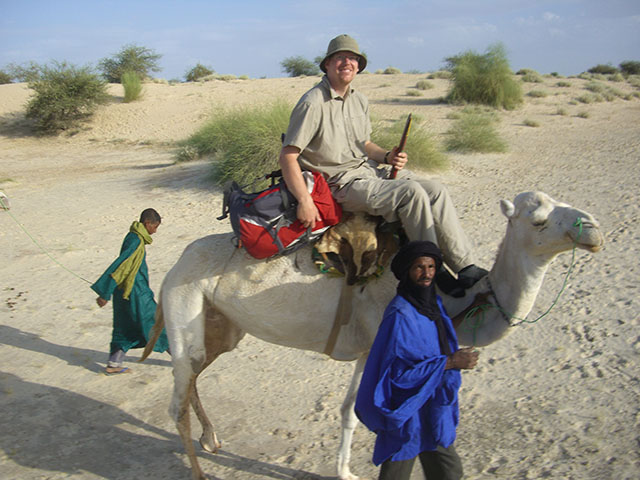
[{"x": 550, "y": 17}]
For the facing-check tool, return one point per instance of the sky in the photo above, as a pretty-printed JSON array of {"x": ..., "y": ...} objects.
[{"x": 253, "y": 37}]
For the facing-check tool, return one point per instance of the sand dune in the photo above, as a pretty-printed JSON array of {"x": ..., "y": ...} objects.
[{"x": 556, "y": 399}]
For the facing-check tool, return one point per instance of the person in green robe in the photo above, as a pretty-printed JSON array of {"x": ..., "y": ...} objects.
[{"x": 127, "y": 280}]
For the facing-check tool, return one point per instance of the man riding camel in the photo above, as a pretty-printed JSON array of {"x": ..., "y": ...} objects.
[{"x": 330, "y": 132}]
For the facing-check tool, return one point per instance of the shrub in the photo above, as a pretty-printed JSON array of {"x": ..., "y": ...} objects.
[
  {"x": 132, "y": 86},
  {"x": 529, "y": 75},
  {"x": 132, "y": 58},
  {"x": 616, "y": 77},
  {"x": 299, "y": 66},
  {"x": 24, "y": 73},
  {"x": 244, "y": 143},
  {"x": 392, "y": 71},
  {"x": 583, "y": 114},
  {"x": 537, "y": 94},
  {"x": 422, "y": 150},
  {"x": 414, "y": 93},
  {"x": 484, "y": 79},
  {"x": 198, "y": 72},
  {"x": 527, "y": 122},
  {"x": 442, "y": 74},
  {"x": 563, "y": 84},
  {"x": 424, "y": 85},
  {"x": 4, "y": 78},
  {"x": 630, "y": 68},
  {"x": 562, "y": 111},
  {"x": 474, "y": 132},
  {"x": 603, "y": 69},
  {"x": 64, "y": 94}
]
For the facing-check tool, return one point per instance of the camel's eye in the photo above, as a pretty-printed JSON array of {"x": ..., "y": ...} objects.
[{"x": 539, "y": 223}]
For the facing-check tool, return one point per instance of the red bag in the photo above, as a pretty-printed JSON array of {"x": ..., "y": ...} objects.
[{"x": 265, "y": 223}]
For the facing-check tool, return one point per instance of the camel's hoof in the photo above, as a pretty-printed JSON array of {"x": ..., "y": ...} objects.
[{"x": 211, "y": 445}]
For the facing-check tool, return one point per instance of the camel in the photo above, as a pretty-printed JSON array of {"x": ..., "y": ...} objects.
[{"x": 215, "y": 294}]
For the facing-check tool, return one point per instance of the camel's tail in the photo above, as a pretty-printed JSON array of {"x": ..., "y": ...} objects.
[{"x": 155, "y": 332}]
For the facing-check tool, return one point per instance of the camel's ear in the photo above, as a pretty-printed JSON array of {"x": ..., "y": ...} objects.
[{"x": 508, "y": 208}]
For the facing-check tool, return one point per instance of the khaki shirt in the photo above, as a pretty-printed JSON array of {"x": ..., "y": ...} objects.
[{"x": 330, "y": 131}]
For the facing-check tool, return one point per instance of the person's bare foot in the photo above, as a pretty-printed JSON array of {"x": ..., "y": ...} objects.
[{"x": 116, "y": 370}]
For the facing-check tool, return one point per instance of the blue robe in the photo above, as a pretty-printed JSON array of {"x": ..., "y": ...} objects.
[
  {"x": 133, "y": 318},
  {"x": 406, "y": 396}
]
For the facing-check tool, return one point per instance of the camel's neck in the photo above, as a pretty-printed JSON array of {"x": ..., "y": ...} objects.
[{"x": 516, "y": 278}]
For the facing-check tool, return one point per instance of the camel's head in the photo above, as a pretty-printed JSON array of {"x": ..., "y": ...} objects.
[
  {"x": 356, "y": 242},
  {"x": 547, "y": 227}
]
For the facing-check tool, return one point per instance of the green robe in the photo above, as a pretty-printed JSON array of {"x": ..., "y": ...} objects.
[{"x": 133, "y": 318}]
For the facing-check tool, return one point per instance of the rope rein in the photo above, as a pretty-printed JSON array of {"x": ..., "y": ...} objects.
[
  {"x": 480, "y": 310},
  {"x": 6, "y": 208}
]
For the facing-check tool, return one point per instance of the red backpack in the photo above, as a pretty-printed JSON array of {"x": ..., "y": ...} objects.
[{"x": 265, "y": 223}]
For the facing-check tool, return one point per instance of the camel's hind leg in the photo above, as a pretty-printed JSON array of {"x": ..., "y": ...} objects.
[
  {"x": 220, "y": 336},
  {"x": 349, "y": 422}
]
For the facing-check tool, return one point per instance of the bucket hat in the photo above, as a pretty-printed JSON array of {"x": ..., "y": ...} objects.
[{"x": 344, "y": 43}]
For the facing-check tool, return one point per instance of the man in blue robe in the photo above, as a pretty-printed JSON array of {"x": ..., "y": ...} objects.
[
  {"x": 134, "y": 307},
  {"x": 408, "y": 394}
]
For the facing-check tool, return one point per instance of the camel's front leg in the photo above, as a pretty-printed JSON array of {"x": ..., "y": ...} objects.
[{"x": 349, "y": 422}]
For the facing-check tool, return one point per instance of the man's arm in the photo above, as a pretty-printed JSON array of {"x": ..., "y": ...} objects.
[
  {"x": 377, "y": 153},
  {"x": 307, "y": 212}
]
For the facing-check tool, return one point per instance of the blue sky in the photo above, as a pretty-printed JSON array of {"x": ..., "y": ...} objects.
[{"x": 252, "y": 37}]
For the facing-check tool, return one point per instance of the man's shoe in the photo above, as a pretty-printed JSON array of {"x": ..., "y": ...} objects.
[
  {"x": 448, "y": 284},
  {"x": 469, "y": 275}
]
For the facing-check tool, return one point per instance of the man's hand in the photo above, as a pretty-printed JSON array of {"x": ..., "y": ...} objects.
[
  {"x": 465, "y": 358},
  {"x": 101, "y": 302},
  {"x": 397, "y": 159},
  {"x": 307, "y": 213}
]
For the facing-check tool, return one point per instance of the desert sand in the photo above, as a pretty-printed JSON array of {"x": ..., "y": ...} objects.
[{"x": 556, "y": 399}]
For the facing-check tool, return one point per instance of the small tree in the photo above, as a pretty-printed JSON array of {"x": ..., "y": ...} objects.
[
  {"x": 485, "y": 79},
  {"x": 198, "y": 72},
  {"x": 132, "y": 58},
  {"x": 630, "y": 67},
  {"x": 132, "y": 86},
  {"x": 299, "y": 66},
  {"x": 603, "y": 69},
  {"x": 64, "y": 95},
  {"x": 4, "y": 78},
  {"x": 24, "y": 73}
]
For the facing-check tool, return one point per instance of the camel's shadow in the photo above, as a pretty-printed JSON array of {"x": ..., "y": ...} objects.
[{"x": 55, "y": 430}]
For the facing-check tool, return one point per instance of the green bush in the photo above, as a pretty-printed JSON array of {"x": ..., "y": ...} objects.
[
  {"x": 244, "y": 143},
  {"x": 421, "y": 149},
  {"x": 132, "y": 58},
  {"x": 441, "y": 74},
  {"x": 530, "y": 76},
  {"x": 603, "y": 69},
  {"x": 64, "y": 94},
  {"x": 132, "y": 86},
  {"x": 424, "y": 85},
  {"x": 299, "y": 66},
  {"x": 563, "y": 84},
  {"x": 197, "y": 73},
  {"x": 630, "y": 68},
  {"x": 537, "y": 94},
  {"x": 24, "y": 73},
  {"x": 474, "y": 132},
  {"x": 392, "y": 71},
  {"x": 4, "y": 78},
  {"x": 484, "y": 79}
]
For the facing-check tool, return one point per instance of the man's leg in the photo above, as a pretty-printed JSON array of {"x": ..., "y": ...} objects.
[
  {"x": 423, "y": 206},
  {"x": 441, "y": 464},
  {"x": 390, "y": 470}
]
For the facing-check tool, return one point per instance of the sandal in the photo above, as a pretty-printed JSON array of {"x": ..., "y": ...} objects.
[{"x": 116, "y": 370}]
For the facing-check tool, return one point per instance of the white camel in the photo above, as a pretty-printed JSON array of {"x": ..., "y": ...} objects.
[{"x": 215, "y": 294}]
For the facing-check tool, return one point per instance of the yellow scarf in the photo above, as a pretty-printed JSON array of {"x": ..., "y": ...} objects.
[{"x": 125, "y": 274}]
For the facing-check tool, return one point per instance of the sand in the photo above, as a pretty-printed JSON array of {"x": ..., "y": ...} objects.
[{"x": 555, "y": 399}]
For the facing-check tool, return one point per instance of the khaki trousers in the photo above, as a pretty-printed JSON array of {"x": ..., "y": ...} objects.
[{"x": 423, "y": 206}]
